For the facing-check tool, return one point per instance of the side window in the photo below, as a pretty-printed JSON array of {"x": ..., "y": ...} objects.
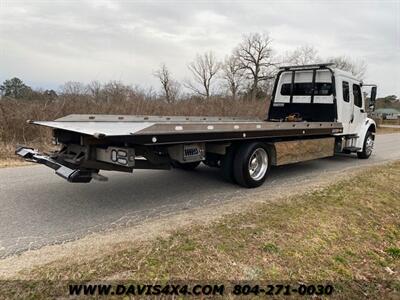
[
  {"x": 346, "y": 91},
  {"x": 357, "y": 95}
]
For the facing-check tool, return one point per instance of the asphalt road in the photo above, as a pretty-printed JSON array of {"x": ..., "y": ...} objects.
[{"x": 38, "y": 208}]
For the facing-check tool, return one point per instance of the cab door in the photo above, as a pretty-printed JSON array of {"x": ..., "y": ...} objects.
[
  {"x": 345, "y": 105},
  {"x": 359, "y": 113}
]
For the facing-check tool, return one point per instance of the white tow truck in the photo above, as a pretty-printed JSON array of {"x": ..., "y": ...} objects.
[{"x": 315, "y": 112}]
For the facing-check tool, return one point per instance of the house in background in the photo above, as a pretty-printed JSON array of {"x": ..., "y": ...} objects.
[{"x": 387, "y": 113}]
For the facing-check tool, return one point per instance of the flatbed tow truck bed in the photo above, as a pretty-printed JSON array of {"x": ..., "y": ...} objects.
[
  {"x": 161, "y": 130},
  {"x": 123, "y": 142}
]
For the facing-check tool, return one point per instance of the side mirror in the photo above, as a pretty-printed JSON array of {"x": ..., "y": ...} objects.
[{"x": 373, "y": 97}]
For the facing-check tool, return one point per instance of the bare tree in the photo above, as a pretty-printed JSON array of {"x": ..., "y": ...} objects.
[
  {"x": 115, "y": 91},
  {"x": 255, "y": 58},
  {"x": 95, "y": 88},
  {"x": 203, "y": 68},
  {"x": 73, "y": 89},
  {"x": 170, "y": 87},
  {"x": 302, "y": 55},
  {"x": 233, "y": 75},
  {"x": 357, "y": 67}
]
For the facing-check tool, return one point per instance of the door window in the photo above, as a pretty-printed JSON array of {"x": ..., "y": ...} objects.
[
  {"x": 357, "y": 95},
  {"x": 346, "y": 91}
]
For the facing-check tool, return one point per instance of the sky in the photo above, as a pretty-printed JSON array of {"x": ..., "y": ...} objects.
[{"x": 48, "y": 42}]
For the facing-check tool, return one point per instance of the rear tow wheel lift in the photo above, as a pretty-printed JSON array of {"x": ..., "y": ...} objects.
[{"x": 70, "y": 174}]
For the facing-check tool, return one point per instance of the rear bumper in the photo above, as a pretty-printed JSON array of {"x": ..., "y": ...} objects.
[{"x": 71, "y": 175}]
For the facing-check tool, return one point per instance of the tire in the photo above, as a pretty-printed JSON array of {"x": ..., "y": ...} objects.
[
  {"x": 251, "y": 165},
  {"x": 190, "y": 166},
  {"x": 368, "y": 146},
  {"x": 227, "y": 164}
]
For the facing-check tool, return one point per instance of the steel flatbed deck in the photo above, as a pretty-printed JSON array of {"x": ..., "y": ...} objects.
[{"x": 163, "y": 130}]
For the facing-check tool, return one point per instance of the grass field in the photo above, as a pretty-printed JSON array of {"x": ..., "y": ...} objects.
[
  {"x": 347, "y": 234},
  {"x": 9, "y": 159},
  {"x": 391, "y": 122},
  {"x": 387, "y": 130}
]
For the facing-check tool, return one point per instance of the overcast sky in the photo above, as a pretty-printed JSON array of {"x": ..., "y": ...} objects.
[{"x": 47, "y": 43}]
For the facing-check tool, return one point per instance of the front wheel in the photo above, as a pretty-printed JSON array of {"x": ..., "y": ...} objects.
[
  {"x": 367, "y": 147},
  {"x": 251, "y": 165}
]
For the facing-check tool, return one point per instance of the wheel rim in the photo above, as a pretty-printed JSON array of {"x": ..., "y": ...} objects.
[
  {"x": 369, "y": 145},
  {"x": 258, "y": 164}
]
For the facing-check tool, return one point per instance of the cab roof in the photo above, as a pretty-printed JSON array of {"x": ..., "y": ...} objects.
[{"x": 320, "y": 66}]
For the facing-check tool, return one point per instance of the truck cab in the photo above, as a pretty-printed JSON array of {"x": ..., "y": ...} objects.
[{"x": 320, "y": 93}]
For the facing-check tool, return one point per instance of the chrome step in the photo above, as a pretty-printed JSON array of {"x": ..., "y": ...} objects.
[{"x": 351, "y": 149}]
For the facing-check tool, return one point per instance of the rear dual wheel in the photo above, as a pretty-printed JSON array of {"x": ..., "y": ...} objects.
[{"x": 248, "y": 165}]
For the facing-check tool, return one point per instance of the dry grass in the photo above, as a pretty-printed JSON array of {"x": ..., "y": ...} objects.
[
  {"x": 347, "y": 234},
  {"x": 7, "y": 157},
  {"x": 14, "y": 114},
  {"x": 391, "y": 122},
  {"x": 387, "y": 130}
]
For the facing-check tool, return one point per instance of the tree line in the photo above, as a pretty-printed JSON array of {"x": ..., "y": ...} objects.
[{"x": 246, "y": 73}]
